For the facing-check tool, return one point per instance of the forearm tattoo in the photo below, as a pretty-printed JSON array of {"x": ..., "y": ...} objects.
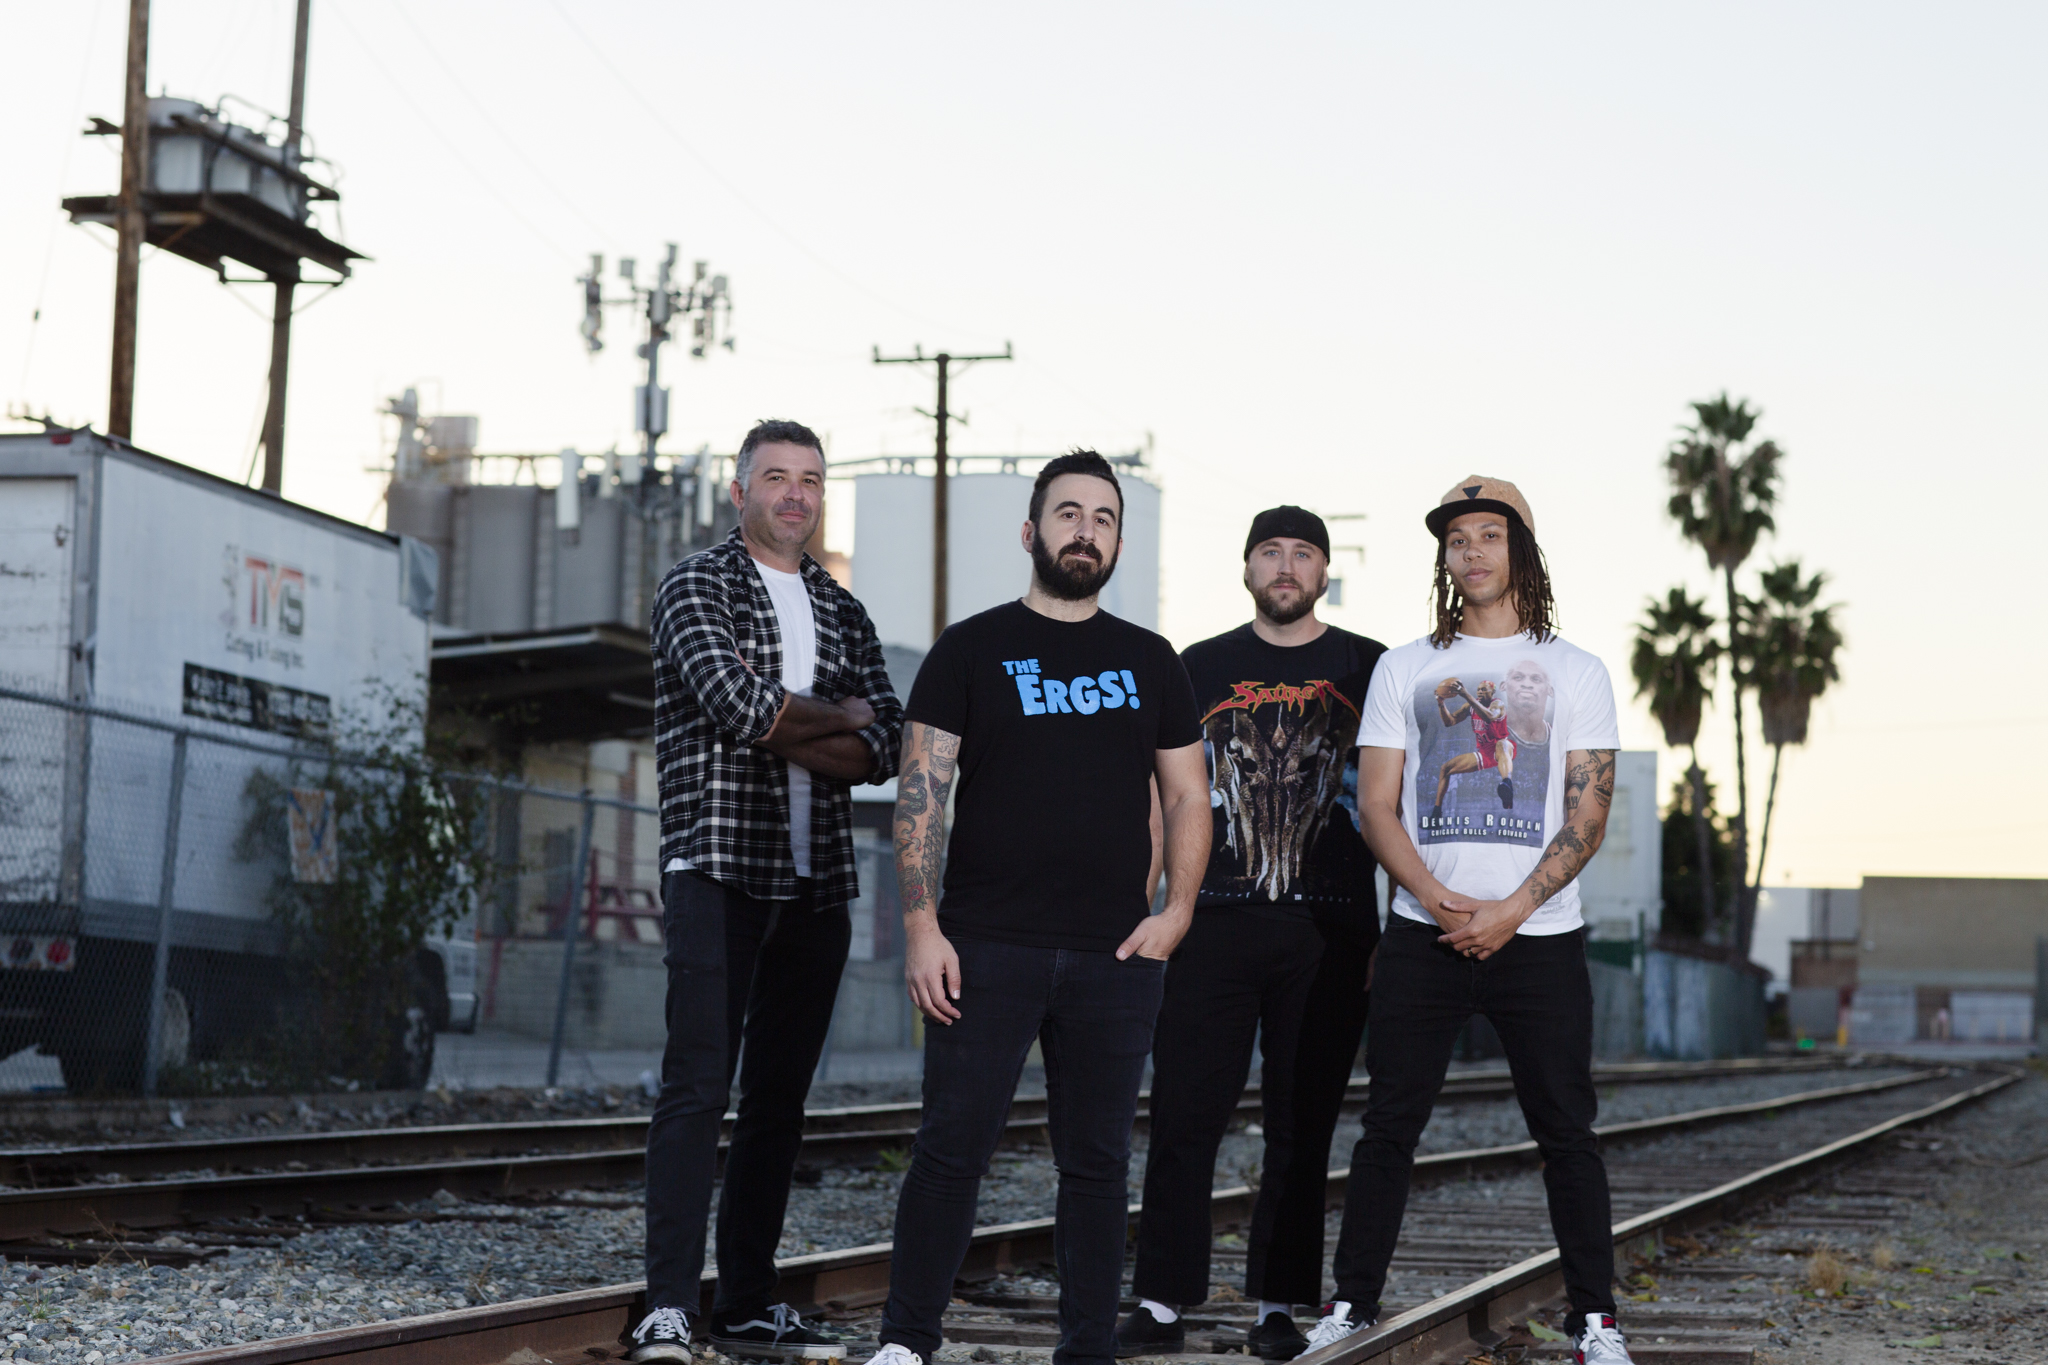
[
  {"x": 920, "y": 824},
  {"x": 1585, "y": 823}
]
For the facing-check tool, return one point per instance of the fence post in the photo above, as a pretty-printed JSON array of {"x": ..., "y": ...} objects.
[
  {"x": 2041, "y": 992},
  {"x": 569, "y": 918},
  {"x": 160, "y": 976}
]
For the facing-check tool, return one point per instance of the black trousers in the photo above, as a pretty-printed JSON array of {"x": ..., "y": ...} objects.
[
  {"x": 1539, "y": 997},
  {"x": 1236, "y": 975},
  {"x": 764, "y": 973},
  {"x": 1092, "y": 1016}
]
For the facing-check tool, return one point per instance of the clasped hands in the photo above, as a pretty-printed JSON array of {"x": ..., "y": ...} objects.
[{"x": 1478, "y": 929}]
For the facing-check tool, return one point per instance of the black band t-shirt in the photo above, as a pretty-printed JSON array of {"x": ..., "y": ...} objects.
[
  {"x": 1280, "y": 731},
  {"x": 1059, "y": 724}
]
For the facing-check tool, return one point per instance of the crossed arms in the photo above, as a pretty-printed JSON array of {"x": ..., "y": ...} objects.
[
  {"x": 1482, "y": 928},
  {"x": 852, "y": 739},
  {"x": 931, "y": 969}
]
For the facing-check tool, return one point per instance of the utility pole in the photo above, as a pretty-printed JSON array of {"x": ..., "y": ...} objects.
[
  {"x": 131, "y": 222},
  {"x": 943, "y": 418},
  {"x": 285, "y": 281}
]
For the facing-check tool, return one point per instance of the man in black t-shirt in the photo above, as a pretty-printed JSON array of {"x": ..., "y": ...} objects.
[
  {"x": 1280, "y": 947},
  {"x": 1056, "y": 717}
]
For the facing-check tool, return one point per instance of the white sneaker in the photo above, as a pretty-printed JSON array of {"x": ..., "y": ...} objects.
[
  {"x": 663, "y": 1334},
  {"x": 893, "y": 1354},
  {"x": 1335, "y": 1324},
  {"x": 1600, "y": 1342}
]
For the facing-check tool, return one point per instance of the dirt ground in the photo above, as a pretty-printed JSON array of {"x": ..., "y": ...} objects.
[{"x": 1958, "y": 1275}]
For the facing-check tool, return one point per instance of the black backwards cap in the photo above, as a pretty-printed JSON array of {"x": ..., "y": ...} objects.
[{"x": 1296, "y": 523}]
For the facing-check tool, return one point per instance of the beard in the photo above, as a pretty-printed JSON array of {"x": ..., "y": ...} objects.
[
  {"x": 1283, "y": 612},
  {"x": 1070, "y": 582}
]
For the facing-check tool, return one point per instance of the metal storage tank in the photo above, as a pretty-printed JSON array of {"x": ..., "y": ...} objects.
[{"x": 986, "y": 562}]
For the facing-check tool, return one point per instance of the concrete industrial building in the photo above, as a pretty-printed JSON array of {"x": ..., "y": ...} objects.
[{"x": 1950, "y": 959}]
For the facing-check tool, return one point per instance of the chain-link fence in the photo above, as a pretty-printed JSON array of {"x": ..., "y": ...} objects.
[{"x": 183, "y": 911}]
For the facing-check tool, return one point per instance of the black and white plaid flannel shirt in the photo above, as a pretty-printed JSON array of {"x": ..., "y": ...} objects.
[{"x": 718, "y": 688}]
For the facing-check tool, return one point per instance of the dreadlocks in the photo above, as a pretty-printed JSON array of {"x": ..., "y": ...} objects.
[{"x": 1528, "y": 580}]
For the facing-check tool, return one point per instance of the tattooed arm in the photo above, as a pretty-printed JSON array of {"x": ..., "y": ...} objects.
[
  {"x": 1588, "y": 794},
  {"x": 1182, "y": 777},
  {"x": 931, "y": 969}
]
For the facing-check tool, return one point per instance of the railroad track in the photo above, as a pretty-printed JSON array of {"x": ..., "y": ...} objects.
[
  {"x": 833, "y": 1133},
  {"x": 83, "y": 1191},
  {"x": 1468, "y": 1290}
]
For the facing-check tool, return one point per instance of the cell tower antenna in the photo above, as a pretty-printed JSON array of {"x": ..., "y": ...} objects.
[{"x": 706, "y": 301}]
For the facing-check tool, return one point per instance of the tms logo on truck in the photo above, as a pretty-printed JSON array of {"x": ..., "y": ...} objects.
[{"x": 266, "y": 607}]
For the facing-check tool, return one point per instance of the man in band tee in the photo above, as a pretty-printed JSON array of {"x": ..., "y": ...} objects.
[
  {"x": 1486, "y": 919},
  {"x": 1282, "y": 939},
  {"x": 1055, "y": 718}
]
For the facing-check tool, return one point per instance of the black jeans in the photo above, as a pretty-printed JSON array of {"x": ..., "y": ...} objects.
[
  {"x": 1539, "y": 997},
  {"x": 739, "y": 969},
  {"x": 1238, "y": 974},
  {"x": 1092, "y": 1016}
]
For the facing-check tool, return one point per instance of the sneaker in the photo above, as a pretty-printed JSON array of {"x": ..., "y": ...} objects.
[
  {"x": 663, "y": 1334},
  {"x": 1335, "y": 1325},
  {"x": 1141, "y": 1334},
  {"x": 893, "y": 1354},
  {"x": 1507, "y": 794},
  {"x": 1275, "y": 1338},
  {"x": 779, "y": 1335},
  {"x": 1600, "y": 1342}
]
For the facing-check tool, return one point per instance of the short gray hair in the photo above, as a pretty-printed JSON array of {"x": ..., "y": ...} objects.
[{"x": 773, "y": 431}]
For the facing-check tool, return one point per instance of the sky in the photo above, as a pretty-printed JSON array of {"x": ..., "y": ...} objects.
[{"x": 1340, "y": 255}]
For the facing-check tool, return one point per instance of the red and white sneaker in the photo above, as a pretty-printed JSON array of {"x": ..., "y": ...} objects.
[{"x": 1600, "y": 1342}]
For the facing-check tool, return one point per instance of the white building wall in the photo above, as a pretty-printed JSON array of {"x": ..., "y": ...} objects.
[
  {"x": 986, "y": 560},
  {"x": 1625, "y": 878}
]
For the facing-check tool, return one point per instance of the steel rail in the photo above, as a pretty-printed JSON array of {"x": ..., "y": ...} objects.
[
  {"x": 589, "y": 1325},
  {"x": 81, "y": 1210},
  {"x": 1480, "y": 1315},
  {"x": 838, "y": 1131}
]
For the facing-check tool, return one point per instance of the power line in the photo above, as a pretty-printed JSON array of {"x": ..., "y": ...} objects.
[
  {"x": 739, "y": 195},
  {"x": 35, "y": 317},
  {"x": 533, "y": 168},
  {"x": 340, "y": 12}
]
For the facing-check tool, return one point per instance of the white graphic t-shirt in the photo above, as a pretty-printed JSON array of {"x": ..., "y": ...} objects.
[
  {"x": 799, "y": 670},
  {"x": 1486, "y": 725}
]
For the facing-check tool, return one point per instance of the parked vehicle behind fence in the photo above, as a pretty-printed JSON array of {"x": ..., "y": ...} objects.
[{"x": 164, "y": 635}]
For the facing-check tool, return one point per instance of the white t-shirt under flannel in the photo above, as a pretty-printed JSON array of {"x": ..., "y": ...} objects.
[
  {"x": 799, "y": 671},
  {"x": 1485, "y": 726}
]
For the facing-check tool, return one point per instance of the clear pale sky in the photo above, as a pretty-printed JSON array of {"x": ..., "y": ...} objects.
[{"x": 1340, "y": 255}]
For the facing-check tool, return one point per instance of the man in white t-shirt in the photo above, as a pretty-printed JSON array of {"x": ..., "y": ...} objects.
[
  {"x": 771, "y": 699},
  {"x": 1486, "y": 911}
]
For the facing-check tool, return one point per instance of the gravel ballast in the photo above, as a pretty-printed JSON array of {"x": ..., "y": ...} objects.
[{"x": 456, "y": 1253}]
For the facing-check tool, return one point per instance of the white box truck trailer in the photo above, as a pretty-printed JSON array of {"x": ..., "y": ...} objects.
[{"x": 150, "y": 599}]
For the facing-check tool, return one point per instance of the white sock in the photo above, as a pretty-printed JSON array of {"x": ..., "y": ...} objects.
[
  {"x": 1267, "y": 1308},
  {"x": 1340, "y": 1309},
  {"x": 1159, "y": 1310}
]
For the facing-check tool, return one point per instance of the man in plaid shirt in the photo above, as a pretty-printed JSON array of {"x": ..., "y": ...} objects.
[{"x": 770, "y": 700}]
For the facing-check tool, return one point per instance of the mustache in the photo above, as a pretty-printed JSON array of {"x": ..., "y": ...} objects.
[{"x": 1081, "y": 548}]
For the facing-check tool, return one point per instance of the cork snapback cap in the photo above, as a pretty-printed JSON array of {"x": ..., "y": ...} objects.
[{"x": 1478, "y": 493}]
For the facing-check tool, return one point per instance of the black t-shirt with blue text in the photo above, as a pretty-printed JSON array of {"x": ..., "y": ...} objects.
[{"x": 1059, "y": 725}]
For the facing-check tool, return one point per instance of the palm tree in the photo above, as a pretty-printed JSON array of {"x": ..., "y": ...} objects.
[
  {"x": 1792, "y": 644},
  {"x": 1722, "y": 499},
  {"x": 1673, "y": 663}
]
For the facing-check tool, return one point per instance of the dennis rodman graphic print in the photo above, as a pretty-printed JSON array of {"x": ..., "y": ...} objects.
[{"x": 1485, "y": 750}]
